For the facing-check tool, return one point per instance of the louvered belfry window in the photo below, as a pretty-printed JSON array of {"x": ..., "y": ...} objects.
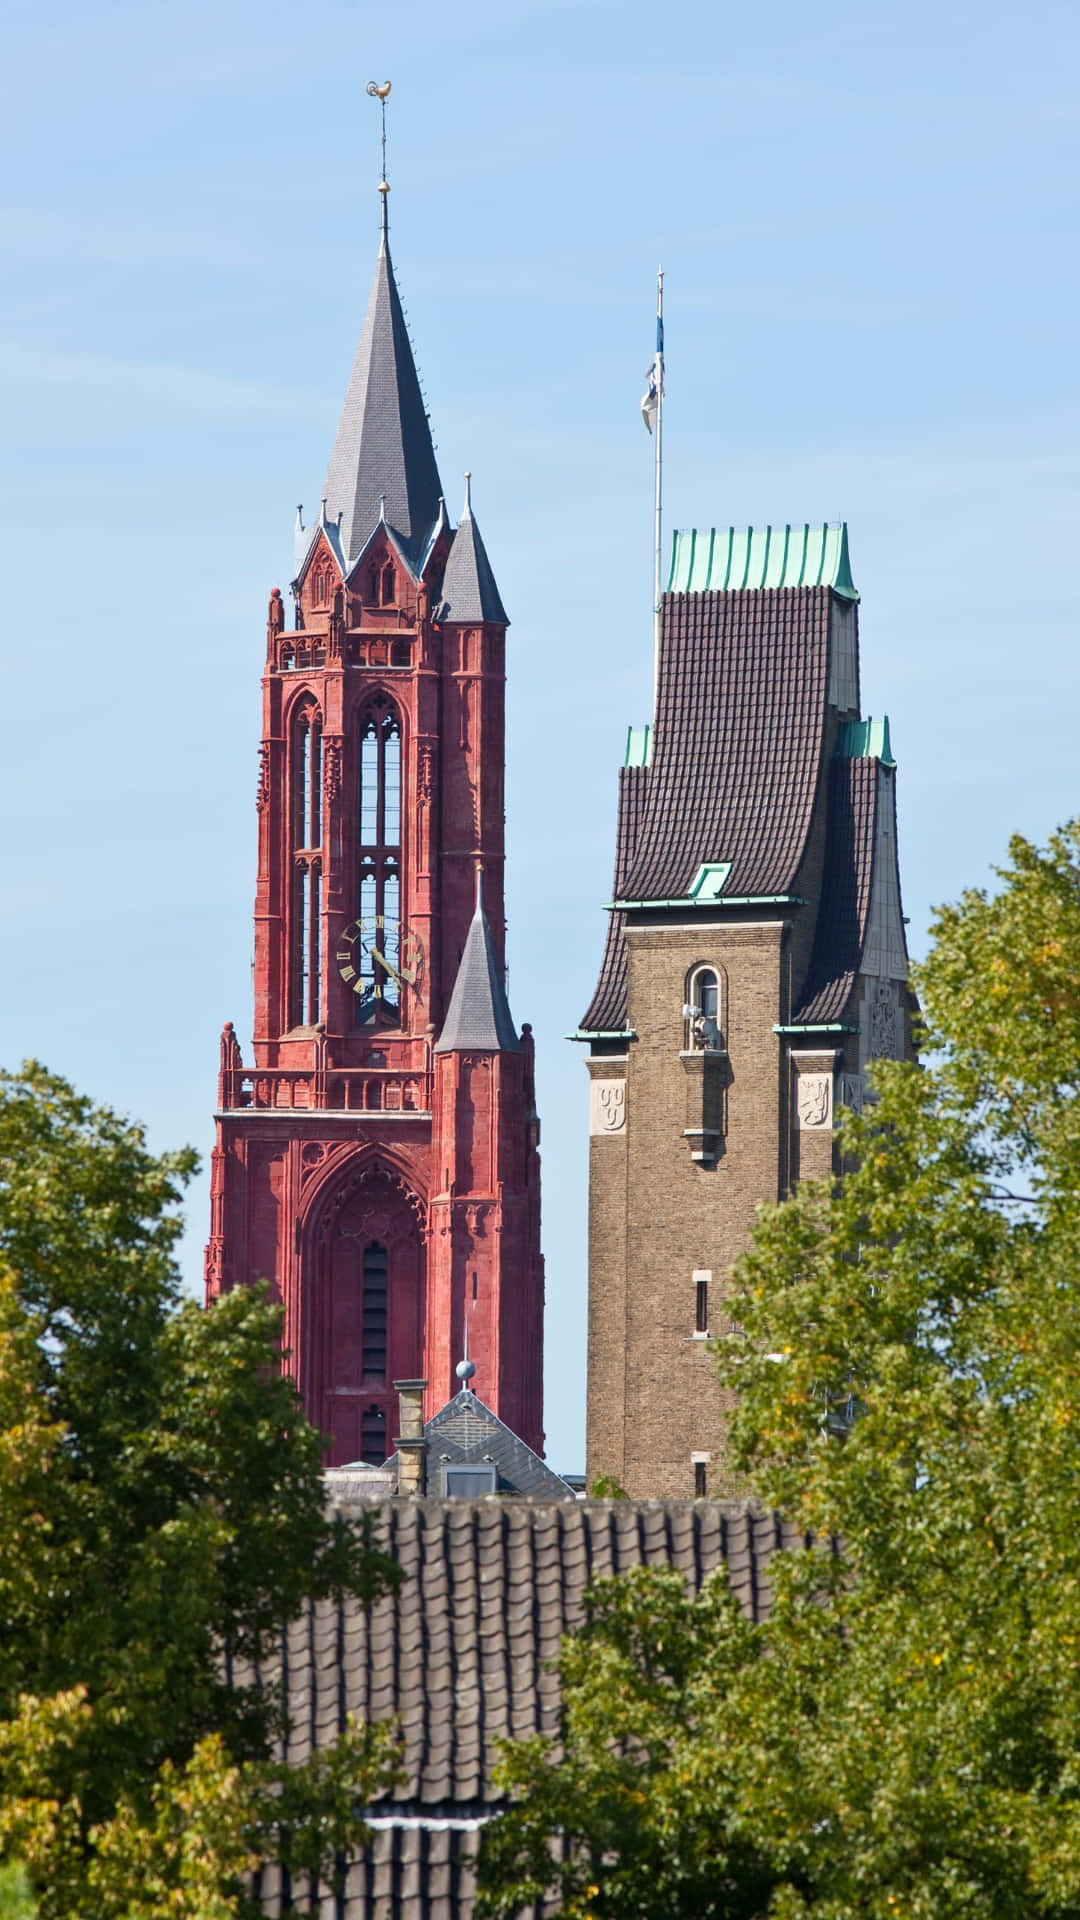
[
  {"x": 373, "y": 1437},
  {"x": 376, "y": 1284},
  {"x": 305, "y": 959},
  {"x": 379, "y": 906}
]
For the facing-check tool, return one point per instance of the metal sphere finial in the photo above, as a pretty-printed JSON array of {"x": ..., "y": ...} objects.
[{"x": 465, "y": 1369}]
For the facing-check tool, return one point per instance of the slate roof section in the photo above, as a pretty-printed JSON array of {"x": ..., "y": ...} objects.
[
  {"x": 844, "y": 918},
  {"x": 738, "y": 743},
  {"x": 383, "y": 444},
  {"x": 461, "y": 1655},
  {"x": 466, "y": 1430},
  {"x": 607, "y": 1009},
  {"x": 844, "y": 913},
  {"x": 468, "y": 589},
  {"x": 478, "y": 1019}
]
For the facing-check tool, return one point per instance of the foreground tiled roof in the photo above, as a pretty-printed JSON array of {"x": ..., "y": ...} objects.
[
  {"x": 607, "y": 1009},
  {"x": 738, "y": 744},
  {"x": 461, "y": 1655},
  {"x": 845, "y": 903}
]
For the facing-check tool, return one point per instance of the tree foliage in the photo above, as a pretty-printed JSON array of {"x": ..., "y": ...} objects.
[
  {"x": 903, "y": 1736},
  {"x": 162, "y": 1512}
]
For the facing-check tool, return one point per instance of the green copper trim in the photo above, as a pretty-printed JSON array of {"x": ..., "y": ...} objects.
[
  {"x": 724, "y": 900},
  {"x": 865, "y": 740},
  {"x": 708, "y": 881},
  {"x": 821, "y": 1026},
  {"x": 728, "y": 561},
  {"x": 638, "y": 747}
]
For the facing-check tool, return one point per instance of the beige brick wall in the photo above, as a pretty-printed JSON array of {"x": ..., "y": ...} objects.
[{"x": 656, "y": 1216}]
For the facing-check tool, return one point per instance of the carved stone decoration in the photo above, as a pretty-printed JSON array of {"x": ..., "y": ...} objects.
[
  {"x": 425, "y": 775},
  {"x": 851, "y": 1091},
  {"x": 884, "y": 1022},
  {"x": 476, "y": 1213},
  {"x": 814, "y": 1100},
  {"x": 607, "y": 1106},
  {"x": 384, "y": 1187},
  {"x": 262, "y": 796},
  {"x": 275, "y": 617},
  {"x": 331, "y": 747}
]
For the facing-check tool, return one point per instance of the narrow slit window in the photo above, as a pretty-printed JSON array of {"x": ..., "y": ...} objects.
[
  {"x": 701, "y": 1306},
  {"x": 701, "y": 1480}
]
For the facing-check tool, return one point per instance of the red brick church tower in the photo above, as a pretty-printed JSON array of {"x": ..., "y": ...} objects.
[{"x": 377, "y": 1162}]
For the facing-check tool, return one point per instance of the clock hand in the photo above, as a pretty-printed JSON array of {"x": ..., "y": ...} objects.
[{"x": 384, "y": 962}]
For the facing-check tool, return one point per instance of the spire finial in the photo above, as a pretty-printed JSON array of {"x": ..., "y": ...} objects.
[
  {"x": 479, "y": 886},
  {"x": 466, "y": 512},
  {"x": 380, "y": 90},
  {"x": 466, "y": 1368}
]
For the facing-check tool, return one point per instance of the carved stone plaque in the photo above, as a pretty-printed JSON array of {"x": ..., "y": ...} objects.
[
  {"x": 607, "y": 1106},
  {"x": 814, "y": 1099}
]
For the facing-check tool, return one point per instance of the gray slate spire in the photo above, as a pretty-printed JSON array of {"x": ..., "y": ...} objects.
[
  {"x": 468, "y": 589},
  {"x": 478, "y": 1019},
  {"x": 383, "y": 444}
]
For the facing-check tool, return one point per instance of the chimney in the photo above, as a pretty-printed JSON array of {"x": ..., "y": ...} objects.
[{"x": 410, "y": 1441}]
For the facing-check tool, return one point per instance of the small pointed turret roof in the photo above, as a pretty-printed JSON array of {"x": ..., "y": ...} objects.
[
  {"x": 478, "y": 1019},
  {"x": 383, "y": 462},
  {"x": 468, "y": 590}
]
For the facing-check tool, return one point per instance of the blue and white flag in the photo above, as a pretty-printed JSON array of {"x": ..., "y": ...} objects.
[{"x": 654, "y": 377}]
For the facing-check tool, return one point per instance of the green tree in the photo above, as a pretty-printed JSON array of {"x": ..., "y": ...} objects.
[
  {"x": 161, "y": 1513},
  {"x": 903, "y": 1737}
]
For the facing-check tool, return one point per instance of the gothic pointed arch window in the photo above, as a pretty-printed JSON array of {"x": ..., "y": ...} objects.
[
  {"x": 306, "y": 832},
  {"x": 388, "y": 585},
  {"x": 379, "y": 909}
]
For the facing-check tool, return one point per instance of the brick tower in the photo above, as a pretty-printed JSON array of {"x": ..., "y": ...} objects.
[
  {"x": 755, "y": 962},
  {"x": 377, "y": 1162}
]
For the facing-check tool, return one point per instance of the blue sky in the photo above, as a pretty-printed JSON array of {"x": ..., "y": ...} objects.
[{"x": 868, "y": 223}]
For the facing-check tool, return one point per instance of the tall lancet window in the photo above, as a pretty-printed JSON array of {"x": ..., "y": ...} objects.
[
  {"x": 305, "y": 958},
  {"x": 378, "y": 983}
]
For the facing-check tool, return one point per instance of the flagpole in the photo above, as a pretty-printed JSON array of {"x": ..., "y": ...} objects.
[{"x": 659, "y": 484}]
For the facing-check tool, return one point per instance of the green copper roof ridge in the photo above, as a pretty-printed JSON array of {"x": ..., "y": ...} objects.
[{"x": 754, "y": 559}]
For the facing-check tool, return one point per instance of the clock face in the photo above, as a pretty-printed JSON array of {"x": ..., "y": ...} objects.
[{"x": 376, "y": 960}]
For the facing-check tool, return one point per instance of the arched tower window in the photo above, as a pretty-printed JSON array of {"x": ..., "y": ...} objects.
[
  {"x": 378, "y": 951},
  {"x": 702, "y": 1011},
  {"x": 388, "y": 585},
  {"x": 305, "y": 814}
]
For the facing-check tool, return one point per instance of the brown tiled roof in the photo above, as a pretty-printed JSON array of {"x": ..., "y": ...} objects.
[
  {"x": 844, "y": 912},
  {"x": 738, "y": 743},
  {"x": 607, "y": 1008},
  {"x": 461, "y": 1655}
]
